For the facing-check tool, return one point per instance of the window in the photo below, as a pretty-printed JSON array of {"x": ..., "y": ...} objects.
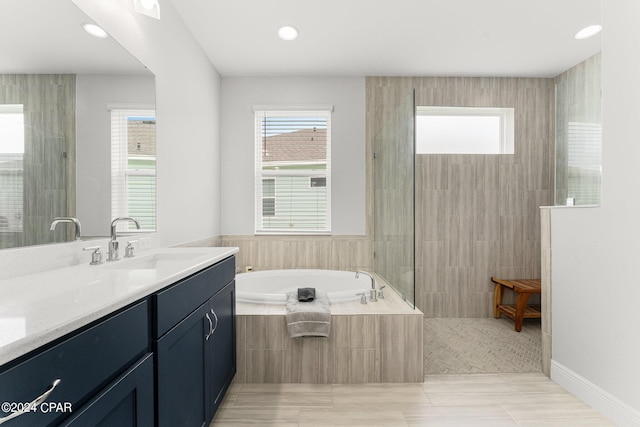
[
  {"x": 133, "y": 167},
  {"x": 11, "y": 167},
  {"x": 464, "y": 130},
  {"x": 584, "y": 159},
  {"x": 293, "y": 170}
]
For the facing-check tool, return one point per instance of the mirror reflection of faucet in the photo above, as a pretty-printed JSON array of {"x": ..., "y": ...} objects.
[
  {"x": 74, "y": 221},
  {"x": 112, "y": 255}
]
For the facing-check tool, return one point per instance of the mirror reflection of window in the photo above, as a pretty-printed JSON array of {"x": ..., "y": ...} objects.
[
  {"x": 133, "y": 167},
  {"x": 11, "y": 167}
]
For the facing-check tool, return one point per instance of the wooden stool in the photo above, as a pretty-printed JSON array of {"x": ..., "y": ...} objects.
[{"x": 523, "y": 289}]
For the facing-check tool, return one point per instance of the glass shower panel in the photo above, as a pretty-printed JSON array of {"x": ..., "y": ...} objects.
[
  {"x": 394, "y": 153},
  {"x": 579, "y": 134}
]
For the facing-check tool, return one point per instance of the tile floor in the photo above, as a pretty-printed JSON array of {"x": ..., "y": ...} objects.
[{"x": 492, "y": 400}]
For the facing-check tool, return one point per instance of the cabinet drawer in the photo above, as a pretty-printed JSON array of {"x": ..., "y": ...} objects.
[
  {"x": 178, "y": 301},
  {"x": 83, "y": 363}
]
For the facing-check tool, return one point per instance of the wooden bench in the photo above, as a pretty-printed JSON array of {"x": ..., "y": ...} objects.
[{"x": 523, "y": 288}]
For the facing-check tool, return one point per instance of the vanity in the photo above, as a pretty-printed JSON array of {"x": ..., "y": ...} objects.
[{"x": 140, "y": 342}]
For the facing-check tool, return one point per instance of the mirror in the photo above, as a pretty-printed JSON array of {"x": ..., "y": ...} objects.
[{"x": 69, "y": 103}]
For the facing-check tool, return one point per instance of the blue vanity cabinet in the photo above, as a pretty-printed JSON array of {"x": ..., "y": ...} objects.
[
  {"x": 222, "y": 345},
  {"x": 80, "y": 369},
  {"x": 195, "y": 357},
  {"x": 127, "y": 402}
]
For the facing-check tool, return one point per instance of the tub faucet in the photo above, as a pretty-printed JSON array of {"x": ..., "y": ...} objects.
[
  {"x": 74, "y": 221},
  {"x": 372, "y": 297},
  {"x": 112, "y": 255}
]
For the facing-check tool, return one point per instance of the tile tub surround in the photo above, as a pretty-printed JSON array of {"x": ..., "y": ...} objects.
[
  {"x": 378, "y": 342},
  {"x": 349, "y": 253}
]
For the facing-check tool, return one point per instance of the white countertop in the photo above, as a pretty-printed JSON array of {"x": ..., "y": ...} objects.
[{"x": 39, "y": 308}]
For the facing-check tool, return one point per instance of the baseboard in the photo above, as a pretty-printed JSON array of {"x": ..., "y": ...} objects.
[{"x": 608, "y": 405}]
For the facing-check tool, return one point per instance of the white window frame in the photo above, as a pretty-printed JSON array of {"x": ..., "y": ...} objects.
[
  {"x": 505, "y": 116},
  {"x": 13, "y": 213},
  {"x": 119, "y": 161},
  {"x": 260, "y": 111}
]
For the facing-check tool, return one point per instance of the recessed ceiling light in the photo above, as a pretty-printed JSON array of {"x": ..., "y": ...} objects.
[
  {"x": 288, "y": 33},
  {"x": 587, "y": 32},
  {"x": 147, "y": 7},
  {"x": 94, "y": 30}
]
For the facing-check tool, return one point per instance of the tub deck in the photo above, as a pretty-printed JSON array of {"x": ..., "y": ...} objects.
[{"x": 377, "y": 342}]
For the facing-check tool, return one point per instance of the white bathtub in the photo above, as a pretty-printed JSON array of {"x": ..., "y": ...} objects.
[{"x": 271, "y": 286}]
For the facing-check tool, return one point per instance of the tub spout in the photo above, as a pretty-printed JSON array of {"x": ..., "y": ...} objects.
[{"x": 373, "y": 297}]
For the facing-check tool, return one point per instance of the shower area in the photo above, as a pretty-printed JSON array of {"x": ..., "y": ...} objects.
[
  {"x": 37, "y": 157},
  {"x": 445, "y": 223}
]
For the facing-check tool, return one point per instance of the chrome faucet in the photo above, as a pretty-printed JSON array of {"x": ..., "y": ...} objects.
[
  {"x": 112, "y": 255},
  {"x": 373, "y": 297},
  {"x": 74, "y": 221}
]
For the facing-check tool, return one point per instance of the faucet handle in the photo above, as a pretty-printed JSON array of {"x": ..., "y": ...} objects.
[
  {"x": 380, "y": 293},
  {"x": 128, "y": 251},
  {"x": 363, "y": 297},
  {"x": 96, "y": 255}
]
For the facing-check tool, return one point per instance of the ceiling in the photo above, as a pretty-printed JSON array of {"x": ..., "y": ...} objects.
[
  {"x": 33, "y": 42},
  {"x": 517, "y": 38}
]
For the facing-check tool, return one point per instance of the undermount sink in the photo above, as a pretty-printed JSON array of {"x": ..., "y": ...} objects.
[{"x": 152, "y": 261}]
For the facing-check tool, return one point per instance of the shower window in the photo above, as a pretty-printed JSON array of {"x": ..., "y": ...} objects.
[
  {"x": 293, "y": 171},
  {"x": 464, "y": 130}
]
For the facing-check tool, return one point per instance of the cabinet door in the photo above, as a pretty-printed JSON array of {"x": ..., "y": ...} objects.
[
  {"x": 127, "y": 402},
  {"x": 182, "y": 372},
  {"x": 222, "y": 352}
]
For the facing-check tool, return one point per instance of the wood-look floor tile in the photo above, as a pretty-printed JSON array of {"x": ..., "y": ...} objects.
[
  {"x": 256, "y": 416},
  {"x": 251, "y": 423},
  {"x": 286, "y": 388},
  {"x": 524, "y": 377},
  {"x": 354, "y": 416},
  {"x": 472, "y": 399},
  {"x": 426, "y": 414},
  {"x": 469, "y": 388},
  {"x": 545, "y": 411},
  {"x": 284, "y": 400},
  {"x": 390, "y": 396},
  {"x": 568, "y": 422},
  {"x": 463, "y": 379},
  {"x": 454, "y": 421}
]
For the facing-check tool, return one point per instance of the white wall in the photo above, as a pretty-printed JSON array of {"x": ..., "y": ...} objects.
[
  {"x": 595, "y": 252},
  {"x": 187, "y": 106},
  {"x": 93, "y": 141},
  {"x": 347, "y": 95}
]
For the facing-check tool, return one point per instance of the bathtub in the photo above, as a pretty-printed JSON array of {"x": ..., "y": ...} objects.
[{"x": 271, "y": 286}]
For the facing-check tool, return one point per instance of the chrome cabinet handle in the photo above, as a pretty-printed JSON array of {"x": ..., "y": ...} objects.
[
  {"x": 216, "y": 316},
  {"x": 35, "y": 402},
  {"x": 210, "y": 327}
]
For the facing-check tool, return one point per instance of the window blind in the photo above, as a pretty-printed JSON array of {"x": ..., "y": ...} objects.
[
  {"x": 584, "y": 162},
  {"x": 293, "y": 171},
  {"x": 133, "y": 167}
]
